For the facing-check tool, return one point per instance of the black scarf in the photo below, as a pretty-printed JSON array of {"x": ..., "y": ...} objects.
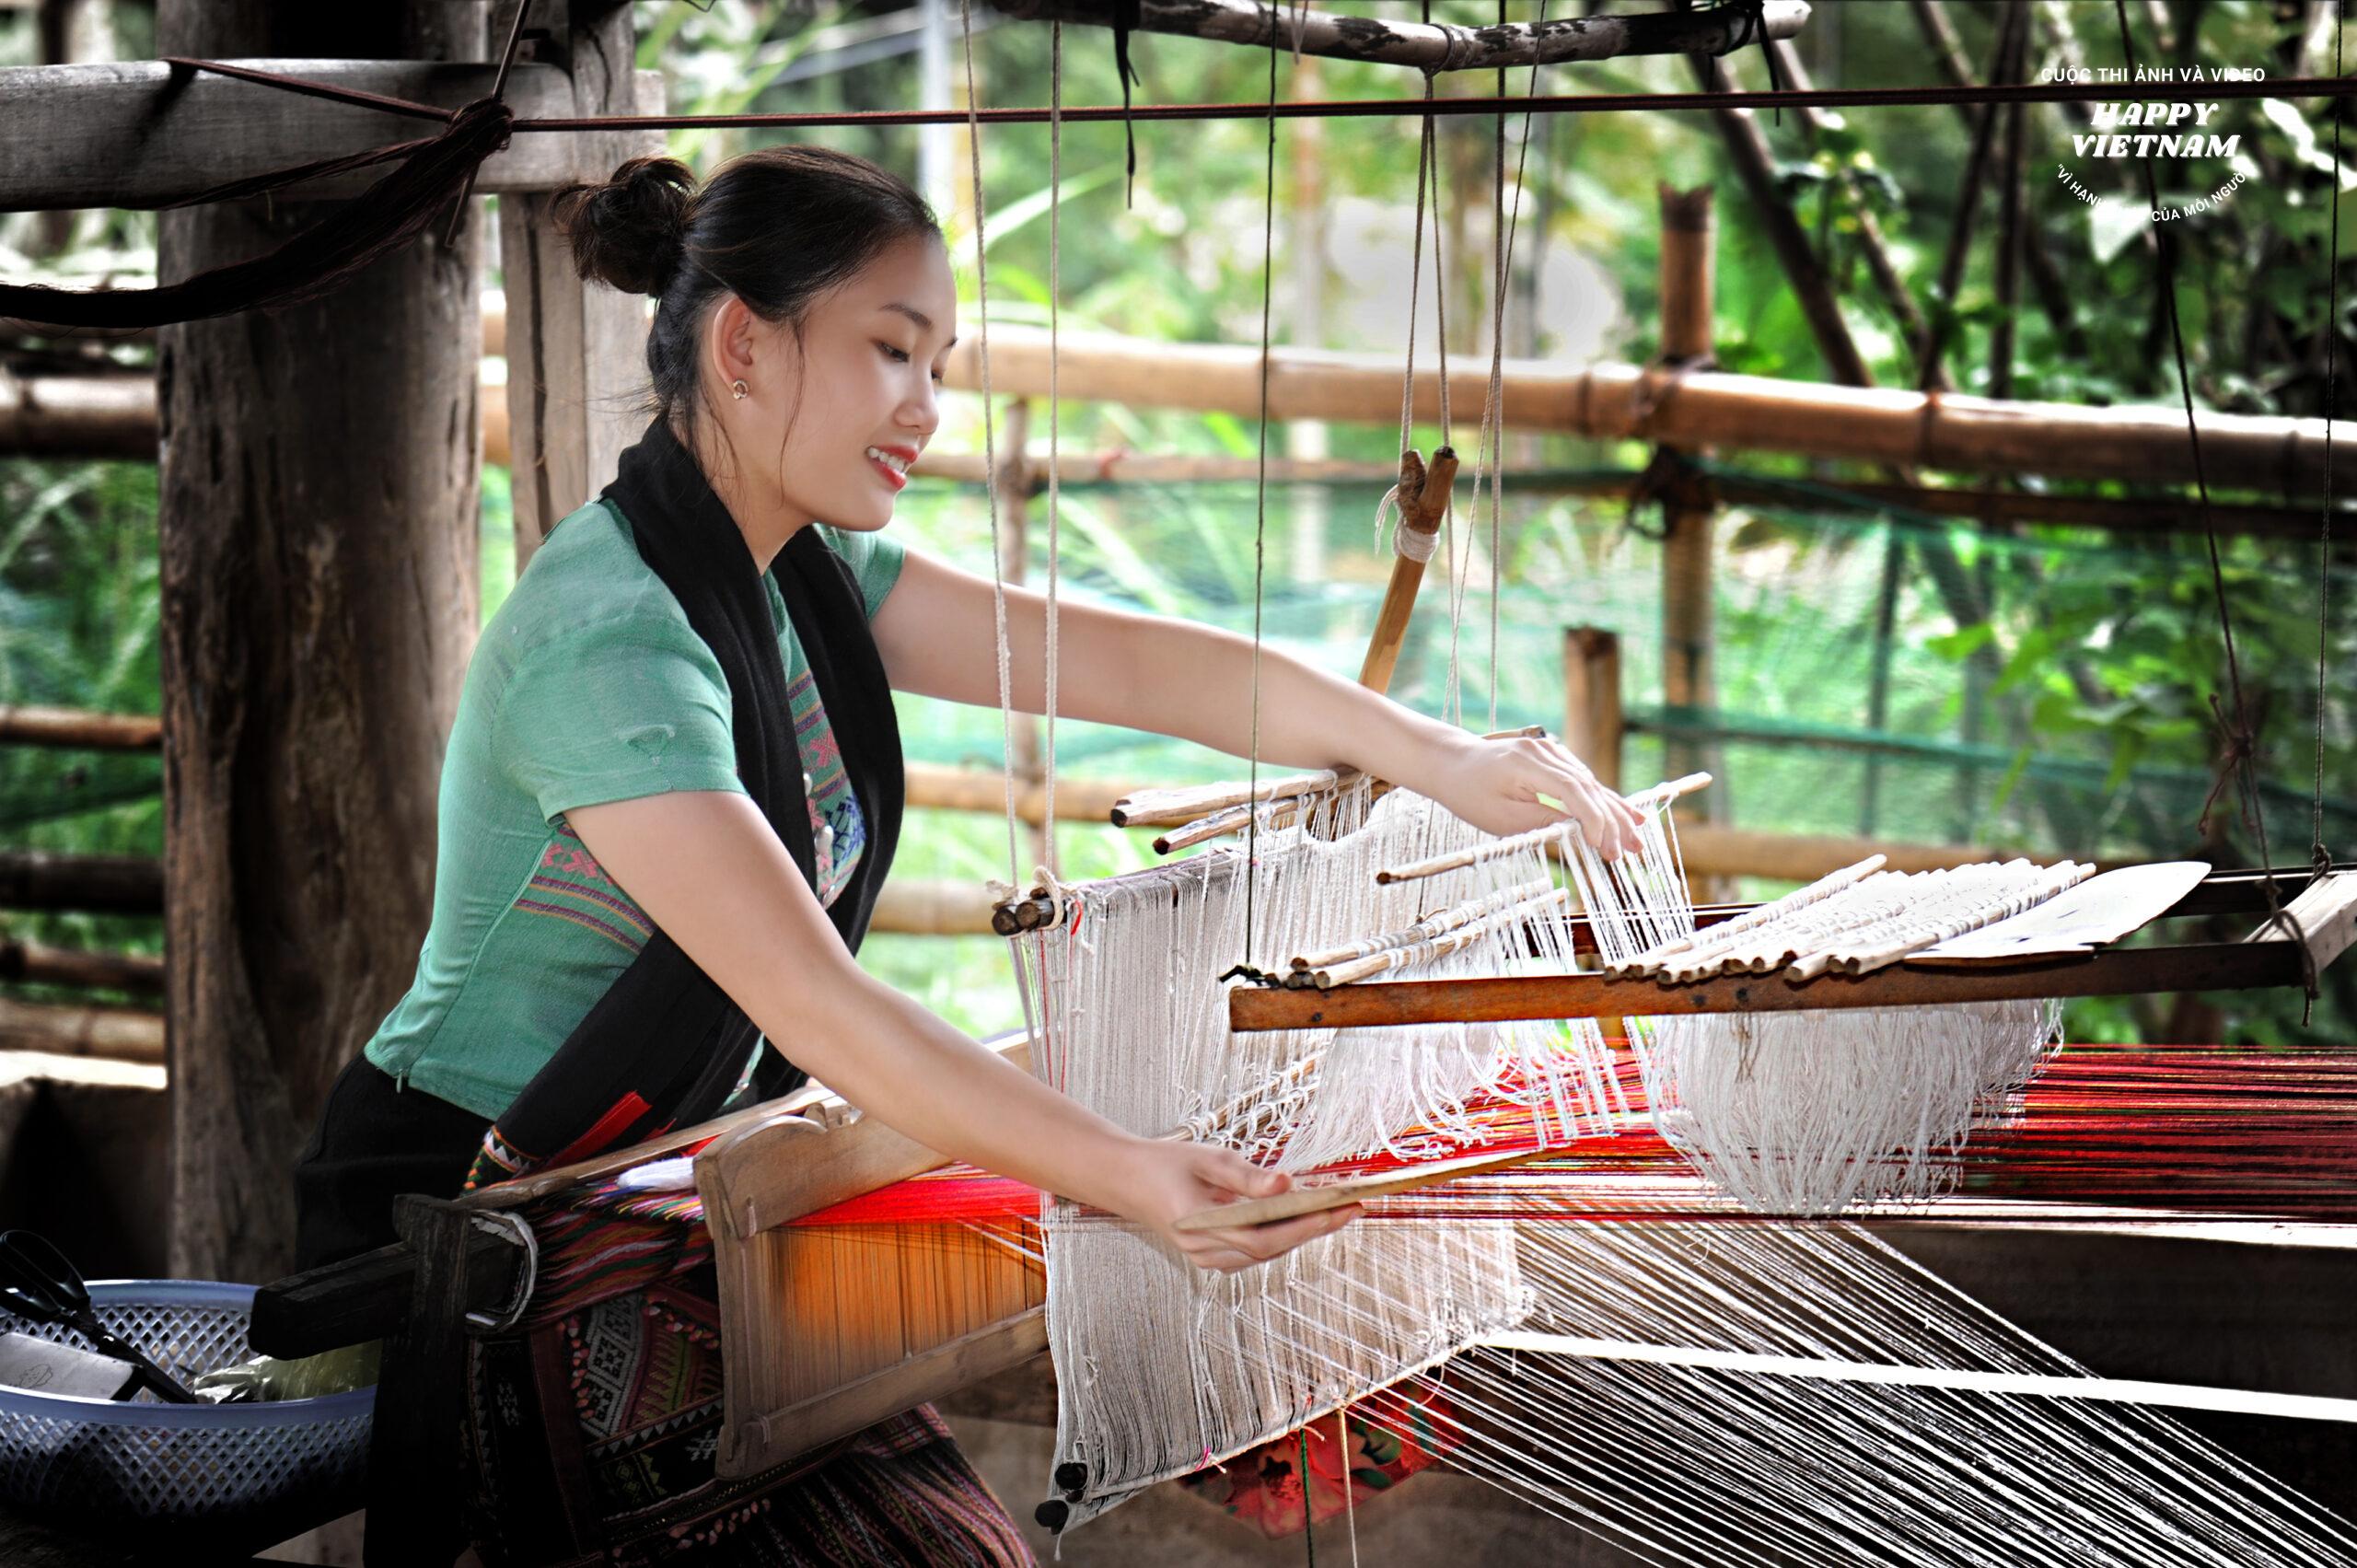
[{"x": 663, "y": 1046}]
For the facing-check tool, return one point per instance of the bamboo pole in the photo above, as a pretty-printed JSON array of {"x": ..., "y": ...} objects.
[
  {"x": 2146, "y": 444},
  {"x": 1687, "y": 242},
  {"x": 66, "y": 416},
  {"x": 81, "y": 731},
  {"x": 92, "y": 970},
  {"x": 121, "y": 1034},
  {"x": 935, "y": 787}
]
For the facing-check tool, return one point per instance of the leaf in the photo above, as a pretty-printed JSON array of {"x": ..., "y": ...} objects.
[{"x": 1961, "y": 645}]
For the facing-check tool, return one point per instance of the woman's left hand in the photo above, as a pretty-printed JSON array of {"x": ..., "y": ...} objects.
[{"x": 1496, "y": 784}]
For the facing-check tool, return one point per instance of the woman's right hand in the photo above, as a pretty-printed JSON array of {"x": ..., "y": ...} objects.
[{"x": 1166, "y": 1181}]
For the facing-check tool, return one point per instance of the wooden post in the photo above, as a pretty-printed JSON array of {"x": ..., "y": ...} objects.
[
  {"x": 1688, "y": 529},
  {"x": 1592, "y": 723},
  {"x": 576, "y": 350},
  {"x": 318, "y": 504}
]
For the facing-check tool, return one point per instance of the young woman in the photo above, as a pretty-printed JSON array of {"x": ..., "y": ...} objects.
[{"x": 673, "y": 786}]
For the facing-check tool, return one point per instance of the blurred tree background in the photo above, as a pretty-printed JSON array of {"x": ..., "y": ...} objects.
[{"x": 1880, "y": 671}]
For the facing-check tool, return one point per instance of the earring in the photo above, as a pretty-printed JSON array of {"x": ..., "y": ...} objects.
[{"x": 739, "y": 389}]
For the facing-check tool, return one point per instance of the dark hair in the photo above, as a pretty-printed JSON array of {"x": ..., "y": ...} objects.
[{"x": 777, "y": 227}]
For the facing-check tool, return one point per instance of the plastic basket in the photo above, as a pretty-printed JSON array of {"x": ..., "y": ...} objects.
[{"x": 219, "y": 1477}]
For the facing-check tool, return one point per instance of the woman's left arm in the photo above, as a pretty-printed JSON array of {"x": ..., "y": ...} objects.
[{"x": 936, "y": 631}]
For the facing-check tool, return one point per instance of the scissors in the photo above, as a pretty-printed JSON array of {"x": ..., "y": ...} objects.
[{"x": 37, "y": 1282}]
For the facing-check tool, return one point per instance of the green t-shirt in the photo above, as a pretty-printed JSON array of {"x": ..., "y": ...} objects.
[{"x": 588, "y": 686}]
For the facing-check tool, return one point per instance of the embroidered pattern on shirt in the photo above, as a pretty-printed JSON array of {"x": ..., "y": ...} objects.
[
  {"x": 838, "y": 830},
  {"x": 570, "y": 885}
]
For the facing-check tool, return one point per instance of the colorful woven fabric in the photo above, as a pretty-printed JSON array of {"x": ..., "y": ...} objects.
[{"x": 1389, "y": 1437}]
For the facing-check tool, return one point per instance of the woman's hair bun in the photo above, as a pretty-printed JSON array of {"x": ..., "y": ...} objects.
[{"x": 631, "y": 230}]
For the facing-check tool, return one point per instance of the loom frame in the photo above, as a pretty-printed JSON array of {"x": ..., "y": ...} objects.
[{"x": 779, "y": 1397}]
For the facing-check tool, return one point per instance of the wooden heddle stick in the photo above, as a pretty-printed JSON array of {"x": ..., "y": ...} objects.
[
  {"x": 1440, "y": 947},
  {"x": 1438, "y": 924},
  {"x": 1698, "y": 950},
  {"x": 1969, "y": 909},
  {"x": 1644, "y": 799}
]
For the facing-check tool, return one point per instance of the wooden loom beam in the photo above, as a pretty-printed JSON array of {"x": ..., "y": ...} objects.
[{"x": 2327, "y": 911}]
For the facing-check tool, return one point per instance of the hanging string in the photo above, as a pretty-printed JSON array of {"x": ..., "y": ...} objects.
[
  {"x": 2239, "y": 761},
  {"x": 1350, "y": 1508},
  {"x": 1308, "y": 1508},
  {"x": 1452, "y": 706},
  {"x": 1055, "y": 462},
  {"x": 1492, "y": 442},
  {"x": 1415, "y": 285},
  {"x": 989, "y": 461},
  {"x": 2319, "y": 856},
  {"x": 1260, "y": 501}
]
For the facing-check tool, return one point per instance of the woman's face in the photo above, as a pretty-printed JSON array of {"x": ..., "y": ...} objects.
[{"x": 844, "y": 408}]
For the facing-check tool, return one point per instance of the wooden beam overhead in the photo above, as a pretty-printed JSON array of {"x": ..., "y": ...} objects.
[
  {"x": 142, "y": 134},
  {"x": 1348, "y": 33}
]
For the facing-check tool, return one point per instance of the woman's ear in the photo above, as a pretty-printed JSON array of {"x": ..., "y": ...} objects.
[{"x": 732, "y": 344}]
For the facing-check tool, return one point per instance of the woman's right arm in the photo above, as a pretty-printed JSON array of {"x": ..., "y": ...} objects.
[{"x": 708, "y": 870}]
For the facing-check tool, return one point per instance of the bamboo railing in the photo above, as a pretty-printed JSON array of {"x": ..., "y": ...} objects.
[{"x": 115, "y": 415}]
